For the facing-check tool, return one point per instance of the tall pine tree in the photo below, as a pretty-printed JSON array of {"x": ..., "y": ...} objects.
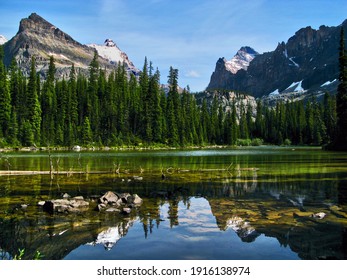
[{"x": 340, "y": 142}]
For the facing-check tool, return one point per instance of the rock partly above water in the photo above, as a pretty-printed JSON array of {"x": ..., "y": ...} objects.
[
  {"x": 109, "y": 202},
  {"x": 124, "y": 202}
]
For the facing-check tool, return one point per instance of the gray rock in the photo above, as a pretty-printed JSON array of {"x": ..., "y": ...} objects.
[
  {"x": 76, "y": 148},
  {"x": 79, "y": 203},
  {"x": 65, "y": 195},
  {"x": 78, "y": 198},
  {"x": 101, "y": 206},
  {"x": 41, "y": 203},
  {"x": 65, "y": 205},
  {"x": 112, "y": 209},
  {"x": 109, "y": 198},
  {"x": 136, "y": 199},
  {"x": 320, "y": 215},
  {"x": 126, "y": 210},
  {"x": 126, "y": 198}
]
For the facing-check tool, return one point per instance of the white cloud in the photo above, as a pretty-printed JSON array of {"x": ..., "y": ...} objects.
[{"x": 192, "y": 74}]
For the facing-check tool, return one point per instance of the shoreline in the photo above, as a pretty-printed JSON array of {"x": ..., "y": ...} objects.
[{"x": 143, "y": 148}]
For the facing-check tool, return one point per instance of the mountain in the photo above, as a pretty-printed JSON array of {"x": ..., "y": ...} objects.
[
  {"x": 3, "y": 40},
  {"x": 306, "y": 65},
  {"x": 110, "y": 51},
  {"x": 241, "y": 60},
  {"x": 37, "y": 37},
  {"x": 225, "y": 68}
]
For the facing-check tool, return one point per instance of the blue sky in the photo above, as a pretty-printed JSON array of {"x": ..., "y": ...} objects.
[{"x": 189, "y": 35}]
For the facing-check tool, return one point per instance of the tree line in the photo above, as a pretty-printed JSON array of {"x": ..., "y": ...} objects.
[{"x": 117, "y": 109}]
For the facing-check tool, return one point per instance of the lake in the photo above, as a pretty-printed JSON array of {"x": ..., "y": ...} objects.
[{"x": 245, "y": 203}]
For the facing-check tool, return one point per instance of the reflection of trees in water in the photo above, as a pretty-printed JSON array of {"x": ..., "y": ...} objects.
[{"x": 56, "y": 236}]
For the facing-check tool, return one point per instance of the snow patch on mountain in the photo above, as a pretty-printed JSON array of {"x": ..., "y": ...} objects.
[
  {"x": 294, "y": 63},
  {"x": 110, "y": 51},
  {"x": 241, "y": 60},
  {"x": 295, "y": 87},
  {"x": 328, "y": 83},
  {"x": 3, "y": 40},
  {"x": 275, "y": 92}
]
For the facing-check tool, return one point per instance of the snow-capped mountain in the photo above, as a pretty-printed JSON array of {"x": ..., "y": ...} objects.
[
  {"x": 39, "y": 38},
  {"x": 307, "y": 64},
  {"x": 110, "y": 51},
  {"x": 241, "y": 60},
  {"x": 3, "y": 40}
]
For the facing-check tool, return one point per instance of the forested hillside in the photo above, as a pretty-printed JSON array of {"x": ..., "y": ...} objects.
[{"x": 118, "y": 110}]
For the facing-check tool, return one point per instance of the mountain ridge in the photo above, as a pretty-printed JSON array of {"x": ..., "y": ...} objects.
[
  {"x": 36, "y": 37},
  {"x": 310, "y": 56}
]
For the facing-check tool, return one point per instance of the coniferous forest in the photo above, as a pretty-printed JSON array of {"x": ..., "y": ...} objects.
[{"x": 117, "y": 110}]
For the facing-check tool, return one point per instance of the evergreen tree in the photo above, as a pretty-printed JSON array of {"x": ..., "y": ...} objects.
[
  {"x": 92, "y": 103},
  {"x": 70, "y": 134},
  {"x": 5, "y": 99},
  {"x": 341, "y": 97},
  {"x": 34, "y": 108},
  {"x": 157, "y": 121},
  {"x": 87, "y": 135},
  {"x": 329, "y": 117},
  {"x": 48, "y": 105},
  {"x": 173, "y": 108}
]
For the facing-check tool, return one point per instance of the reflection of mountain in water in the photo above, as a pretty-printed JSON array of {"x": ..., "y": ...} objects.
[
  {"x": 244, "y": 230},
  {"x": 248, "y": 207},
  {"x": 110, "y": 236}
]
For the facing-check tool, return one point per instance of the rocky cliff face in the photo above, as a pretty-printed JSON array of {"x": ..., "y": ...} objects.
[
  {"x": 310, "y": 58},
  {"x": 226, "y": 100},
  {"x": 37, "y": 37}
]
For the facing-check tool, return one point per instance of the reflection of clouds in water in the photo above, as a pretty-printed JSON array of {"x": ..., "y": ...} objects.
[
  {"x": 198, "y": 217},
  {"x": 192, "y": 238}
]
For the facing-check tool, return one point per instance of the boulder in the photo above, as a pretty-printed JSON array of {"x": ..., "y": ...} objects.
[
  {"x": 126, "y": 210},
  {"x": 136, "y": 199},
  {"x": 65, "y": 195},
  {"x": 65, "y": 205},
  {"x": 319, "y": 215},
  {"x": 101, "y": 206},
  {"x": 41, "y": 203},
  {"x": 112, "y": 209},
  {"x": 76, "y": 148},
  {"x": 109, "y": 198},
  {"x": 126, "y": 198}
]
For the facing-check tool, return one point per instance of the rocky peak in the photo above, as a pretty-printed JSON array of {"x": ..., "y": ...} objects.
[
  {"x": 241, "y": 59},
  {"x": 109, "y": 43},
  {"x": 36, "y": 25},
  {"x": 34, "y": 22}
]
